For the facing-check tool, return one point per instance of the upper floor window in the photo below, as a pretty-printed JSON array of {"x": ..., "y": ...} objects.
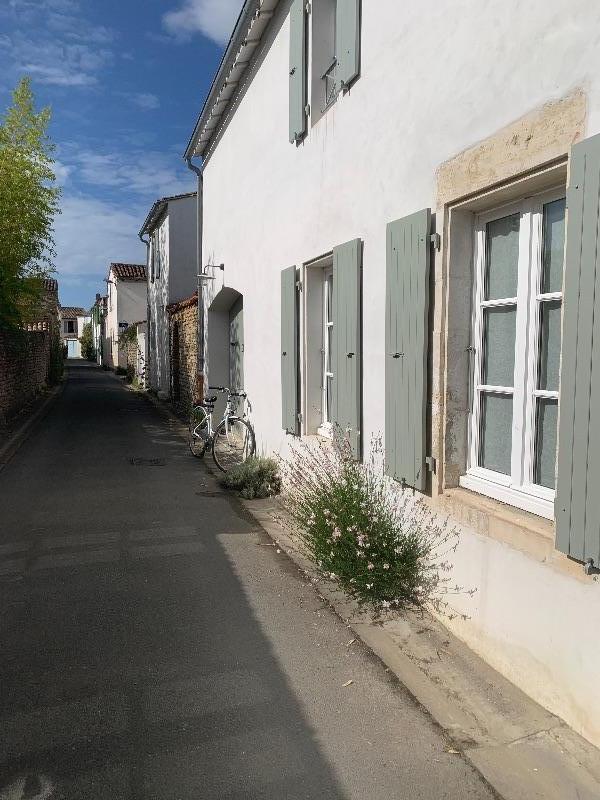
[
  {"x": 324, "y": 86},
  {"x": 69, "y": 326},
  {"x": 334, "y": 58},
  {"x": 516, "y": 344}
]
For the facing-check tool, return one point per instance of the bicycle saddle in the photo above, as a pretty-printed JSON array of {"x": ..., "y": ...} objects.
[{"x": 212, "y": 399}]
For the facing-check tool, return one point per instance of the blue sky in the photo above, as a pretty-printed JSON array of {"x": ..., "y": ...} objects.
[{"x": 125, "y": 80}]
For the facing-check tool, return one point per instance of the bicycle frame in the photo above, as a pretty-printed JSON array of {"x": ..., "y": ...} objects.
[{"x": 227, "y": 413}]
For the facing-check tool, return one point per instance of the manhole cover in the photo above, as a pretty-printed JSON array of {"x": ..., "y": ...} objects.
[{"x": 148, "y": 462}]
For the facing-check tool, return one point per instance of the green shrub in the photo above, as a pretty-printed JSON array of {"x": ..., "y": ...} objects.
[
  {"x": 87, "y": 344},
  {"x": 380, "y": 545},
  {"x": 256, "y": 478}
]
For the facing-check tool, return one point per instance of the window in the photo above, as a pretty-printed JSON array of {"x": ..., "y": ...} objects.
[
  {"x": 69, "y": 326},
  {"x": 317, "y": 297},
  {"x": 324, "y": 88},
  {"x": 515, "y": 353},
  {"x": 327, "y": 374}
]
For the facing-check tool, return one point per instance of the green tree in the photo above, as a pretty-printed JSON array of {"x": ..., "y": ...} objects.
[
  {"x": 28, "y": 205},
  {"x": 87, "y": 343}
]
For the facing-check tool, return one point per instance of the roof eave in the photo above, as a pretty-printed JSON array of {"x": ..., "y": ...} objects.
[{"x": 237, "y": 57}]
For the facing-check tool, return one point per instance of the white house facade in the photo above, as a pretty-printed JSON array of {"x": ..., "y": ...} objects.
[
  {"x": 171, "y": 228},
  {"x": 125, "y": 304},
  {"x": 384, "y": 221},
  {"x": 72, "y": 319}
]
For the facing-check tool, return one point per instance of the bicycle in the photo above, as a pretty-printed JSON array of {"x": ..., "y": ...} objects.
[{"x": 231, "y": 442}]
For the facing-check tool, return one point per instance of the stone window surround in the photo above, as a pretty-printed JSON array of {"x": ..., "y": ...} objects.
[{"x": 528, "y": 156}]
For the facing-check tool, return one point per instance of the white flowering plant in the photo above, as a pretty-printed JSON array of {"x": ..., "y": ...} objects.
[{"x": 379, "y": 543}]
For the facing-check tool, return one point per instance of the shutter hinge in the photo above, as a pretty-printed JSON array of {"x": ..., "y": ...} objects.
[
  {"x": 308, "y": 7},
  {"x": 299, "y": 285},
  {"x": 307, "y": 109},
  {"x": 299, "y": 415},
  {"x": 436, "y": 240},
  {"x": 431, "y": 464}
]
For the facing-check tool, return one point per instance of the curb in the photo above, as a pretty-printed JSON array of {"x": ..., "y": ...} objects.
[{"x": 8, "y": 450}]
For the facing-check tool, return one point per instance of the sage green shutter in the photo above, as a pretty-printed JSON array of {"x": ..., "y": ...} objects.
[
  {"x": 407, "y": 297},
  {"x": 347, "y": 40},
  {"x": 289, "y": 351},
  {"x": 577, "y": 505},
  {"x": 297, "y": 70},
  {"x": 346, "y": 346}
]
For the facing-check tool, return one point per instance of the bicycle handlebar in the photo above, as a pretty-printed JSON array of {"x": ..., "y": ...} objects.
[{"x": 229, "y": 391}]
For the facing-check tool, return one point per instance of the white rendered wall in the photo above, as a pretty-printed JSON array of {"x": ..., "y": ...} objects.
[
  {"x": 433, "y": 82},
  {"x": 183, "y": 227},
  {"x": 130, "y": 307}
]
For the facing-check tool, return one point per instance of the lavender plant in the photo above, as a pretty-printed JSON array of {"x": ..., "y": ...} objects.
[{"x": 381, "y": 545}]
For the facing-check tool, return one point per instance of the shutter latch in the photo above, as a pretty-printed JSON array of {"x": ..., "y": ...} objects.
[
  {"x": 436, "y": 240},
  {"x": 589, "y": 567},
  {"x": 431, "y": 464}
]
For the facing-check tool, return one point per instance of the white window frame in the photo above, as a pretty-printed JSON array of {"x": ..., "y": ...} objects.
[
  {"x": 325, "y": 428},
  {"x": 518, "y": 488}
]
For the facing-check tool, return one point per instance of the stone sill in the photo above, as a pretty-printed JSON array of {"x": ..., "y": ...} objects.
[{"x": 518, "y": 529}]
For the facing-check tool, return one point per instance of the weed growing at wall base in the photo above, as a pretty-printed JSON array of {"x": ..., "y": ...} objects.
[
  {"x": 381, "y": 545},
  {"x": 256, "y": 478}
]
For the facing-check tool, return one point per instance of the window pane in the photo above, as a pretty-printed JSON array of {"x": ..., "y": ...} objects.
[
  {"x": 554, "y": 246},
  {"x": 545, "y": 441},
  {"x": 499, "y": 329},
  {"x": 329, "y": 291},
  {"x": 502, "y": 248},
  {"x": 329, "y": 346},
  {"x": 496, "y": 432},
  {"x": 549, "y": 345}
]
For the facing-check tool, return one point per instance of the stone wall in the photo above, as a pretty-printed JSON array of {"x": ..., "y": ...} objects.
[
  {"x": 31, "y": 357},
  {"x": 183, "y": 344},
  {"x": 24, "y": 368}
]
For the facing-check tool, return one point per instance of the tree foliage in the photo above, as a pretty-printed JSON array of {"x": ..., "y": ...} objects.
[
  {"x": 87, "y": 342},
  {"x": 28, "y": 205}
]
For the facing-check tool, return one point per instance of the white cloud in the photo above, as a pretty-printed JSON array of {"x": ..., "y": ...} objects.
[
  {"x": 150, "y": 174},
  {"x": 90, "y": 233},
  {"x": 145, "y": 100},
  {"x": 213, "y": 18},
  {"x": 54, "y": 43}
]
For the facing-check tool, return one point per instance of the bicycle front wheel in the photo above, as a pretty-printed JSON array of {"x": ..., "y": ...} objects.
[
  {"x": 198, "y": 431},
  {"x": 233, "y": 443}
]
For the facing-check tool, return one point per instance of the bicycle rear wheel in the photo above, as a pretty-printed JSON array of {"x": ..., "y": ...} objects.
[
  {"x": 233, "y": 443},
  {"x": 198, "y": 431}
]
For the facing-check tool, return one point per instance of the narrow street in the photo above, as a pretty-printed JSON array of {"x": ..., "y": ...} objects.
[{"x": 153, "y": 646}]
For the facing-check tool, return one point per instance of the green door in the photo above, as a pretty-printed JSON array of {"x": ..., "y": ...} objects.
[{"x": 236, "y": 344}]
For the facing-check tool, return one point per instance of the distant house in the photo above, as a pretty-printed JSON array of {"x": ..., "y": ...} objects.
[
  {"x": 98, "y": 317},
  {"x": 171, "y": 226},
  {"x": 72, "y": 319},
  {"x": 126, "y": 303}
]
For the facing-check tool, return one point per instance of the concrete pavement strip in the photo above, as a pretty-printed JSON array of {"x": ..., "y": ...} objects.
[
  {"x": 523, "y": 751},
  {"x": 18, "y": 436}
]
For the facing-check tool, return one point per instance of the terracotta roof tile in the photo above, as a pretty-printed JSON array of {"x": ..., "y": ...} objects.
[
  {"x": 72, "y": 312},
  {"x": 181, "y": 304},
  {"x": 51, "y": 285},
  {"x": 128, "y": 272}
]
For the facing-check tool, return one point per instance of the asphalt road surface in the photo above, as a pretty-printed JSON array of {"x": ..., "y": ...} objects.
[{"x": 152, "y": 644}]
